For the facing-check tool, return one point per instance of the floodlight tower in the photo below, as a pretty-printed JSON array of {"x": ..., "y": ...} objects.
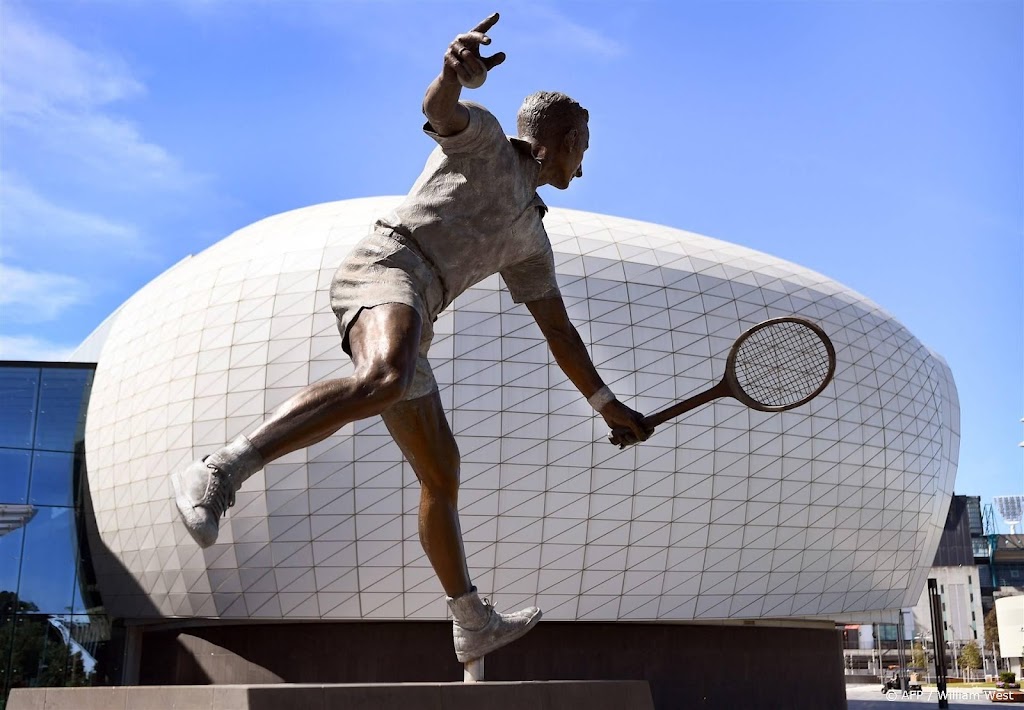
[{"x": 1010, "y": 509}]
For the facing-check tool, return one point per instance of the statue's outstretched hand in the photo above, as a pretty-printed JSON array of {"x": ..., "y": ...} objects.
[
  {"x": 628, "y": 426},
  {"x": 462, "y": 61}
]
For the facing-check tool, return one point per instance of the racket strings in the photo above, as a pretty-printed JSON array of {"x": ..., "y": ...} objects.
[{"x": 782, "y": 364}]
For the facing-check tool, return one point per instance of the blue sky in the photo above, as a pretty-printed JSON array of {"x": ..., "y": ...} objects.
[{"x": 880, "y": 143}]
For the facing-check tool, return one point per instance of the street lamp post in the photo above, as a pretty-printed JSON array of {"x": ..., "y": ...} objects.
[
  {"x": 901, "y": 653},
  {"x": 940, "y": 655}
]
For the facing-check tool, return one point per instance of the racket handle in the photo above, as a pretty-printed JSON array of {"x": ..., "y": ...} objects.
[
  {"x": 619, "y": 434},
  {"x": 719, "y": 390}
]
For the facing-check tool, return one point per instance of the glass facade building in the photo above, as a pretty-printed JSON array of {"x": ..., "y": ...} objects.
[{"x": 52, "y": 626}]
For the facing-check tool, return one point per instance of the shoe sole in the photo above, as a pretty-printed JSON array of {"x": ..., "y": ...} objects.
[
  {"x": 185, "y": 508},
  {"x": 499, "y": 643}
]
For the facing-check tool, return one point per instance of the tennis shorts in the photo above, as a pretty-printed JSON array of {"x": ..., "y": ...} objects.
[{"x": 386, "y": 267}]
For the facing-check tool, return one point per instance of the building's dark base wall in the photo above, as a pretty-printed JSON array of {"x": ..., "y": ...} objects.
[
  {"x": 494, "y": 695},
  {"x": 687, "y": 666}
]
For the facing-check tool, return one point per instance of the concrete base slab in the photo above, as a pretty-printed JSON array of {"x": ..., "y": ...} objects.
[{"x": 501, "y": 695}]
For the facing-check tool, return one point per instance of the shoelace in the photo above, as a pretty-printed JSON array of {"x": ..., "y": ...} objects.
[{"x": 221, "y": 494}]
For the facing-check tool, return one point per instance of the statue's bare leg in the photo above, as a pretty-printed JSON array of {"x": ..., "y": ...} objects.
[
  {"x": 385, "y": 345},
  {"x": 421, "y": 430},
  {"x": 384, "y": 342}
]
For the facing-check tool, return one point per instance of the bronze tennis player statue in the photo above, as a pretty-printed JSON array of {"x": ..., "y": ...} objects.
[{"x": 473, "y": 212}]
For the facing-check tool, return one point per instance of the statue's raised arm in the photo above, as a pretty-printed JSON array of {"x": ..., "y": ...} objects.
[{"x": 463, "y": 67}]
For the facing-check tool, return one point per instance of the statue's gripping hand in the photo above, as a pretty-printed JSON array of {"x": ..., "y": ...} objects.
[
  {"x": 462, "y": 61},
  {"x": 629, "y": 422}
]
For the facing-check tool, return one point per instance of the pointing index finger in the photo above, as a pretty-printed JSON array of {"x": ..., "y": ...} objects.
[
  {"x": 474, "y": 38},
  {"x": 486, "y": 24}
]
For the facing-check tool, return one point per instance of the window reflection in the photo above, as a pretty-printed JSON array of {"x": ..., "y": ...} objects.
[
  {"x": 20, "y": 387},
  {"x": 6, "y": 637},
  {"x": 49, "y": 561},
  {"x": 44, "y": 654},
  {"x": 14, "y": 468},
  {"x": 61, "y": 414},
  {"x": 85, "y": 634},
  {"x": 48, "y": 637},
  {"x": 52, "y": 478},
  {"x": 10, "y": 555}
]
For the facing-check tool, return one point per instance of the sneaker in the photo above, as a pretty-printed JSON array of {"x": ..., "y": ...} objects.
[
  {"x": 203, "y": 494},
  {"x": 206, "y": 489},
  {"x": 479, "y": 629}
]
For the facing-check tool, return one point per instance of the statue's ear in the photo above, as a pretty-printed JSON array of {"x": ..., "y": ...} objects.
[
  {"x": 572, "y": 138},
  {"x": 540, "y": 151}
]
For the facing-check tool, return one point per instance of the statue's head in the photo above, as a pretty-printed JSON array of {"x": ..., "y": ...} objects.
[{"x": 558, "y": 128}]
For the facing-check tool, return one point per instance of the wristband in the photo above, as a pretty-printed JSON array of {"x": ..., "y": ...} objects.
[{"x": 600, "y": 398}]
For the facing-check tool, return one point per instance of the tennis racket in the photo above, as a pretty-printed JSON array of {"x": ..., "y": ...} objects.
[{"x": 775, "y": 366}]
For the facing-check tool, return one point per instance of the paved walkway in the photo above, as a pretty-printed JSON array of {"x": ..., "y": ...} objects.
[{"x": 869, "y": 697}]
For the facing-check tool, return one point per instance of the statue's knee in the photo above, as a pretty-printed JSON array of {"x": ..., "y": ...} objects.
[
  {"x": 441, "y": 479},
  {"x": 385, "y": 384}
]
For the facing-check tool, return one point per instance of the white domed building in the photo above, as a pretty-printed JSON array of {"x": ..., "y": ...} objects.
[{"x": 729, "y": 527}]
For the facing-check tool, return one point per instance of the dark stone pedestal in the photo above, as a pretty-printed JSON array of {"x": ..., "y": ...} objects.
[
  {"x": 711, "y": 667},
  {"x": 520, "y": 695}
]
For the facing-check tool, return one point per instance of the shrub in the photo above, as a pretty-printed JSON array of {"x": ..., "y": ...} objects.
[{"x": 1007, "y": 677}]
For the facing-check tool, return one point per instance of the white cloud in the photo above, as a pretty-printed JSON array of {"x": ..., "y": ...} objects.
[
  {"x": 36, "y": 296},
  {"x": 557, "y": 29},
  {"x": 42, "y": 69},
  {"x": 104, "y": 145},
  {"x": 29, "y": 347},
  {"x": 27, "y": 215},
  {"x": 59, "y": 94}
]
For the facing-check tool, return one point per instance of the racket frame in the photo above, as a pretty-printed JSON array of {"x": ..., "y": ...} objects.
[
  {"x": 736, "y": 391},
  {"x": 730, "y": 387}
]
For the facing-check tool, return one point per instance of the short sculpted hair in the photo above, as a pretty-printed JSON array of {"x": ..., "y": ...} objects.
[{"x": 550, "y": 113}]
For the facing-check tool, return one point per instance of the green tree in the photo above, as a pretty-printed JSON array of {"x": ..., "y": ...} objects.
[
  {"x": 970, "y": 657},
  {"x": 10, "y": 604},
  {"x": 918, "y": 657},
  {"x": 38, "y": 652},
  {"x": 992, "y": 631}
]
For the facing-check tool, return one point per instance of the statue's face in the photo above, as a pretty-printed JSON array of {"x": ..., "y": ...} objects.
[{"x": 569, "y": 156}]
